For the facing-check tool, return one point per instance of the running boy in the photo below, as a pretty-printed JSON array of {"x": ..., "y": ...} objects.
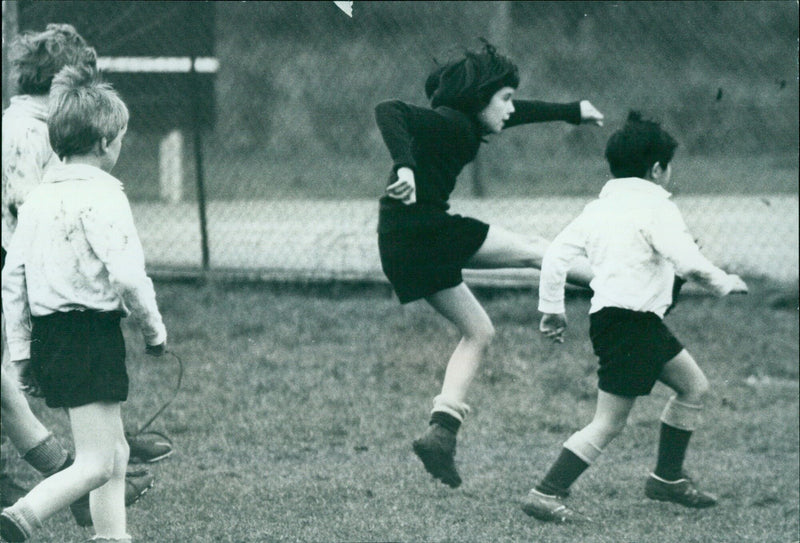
[
  {"x": 636, "y": 241},
  {"x": 74, "y": 268}
]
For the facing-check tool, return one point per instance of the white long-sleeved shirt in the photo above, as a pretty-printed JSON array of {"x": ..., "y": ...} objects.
[
  {"x": 636, "y": 241},
  {"x": 26, "y": 155},
  {"x": 76, "y": 248}
]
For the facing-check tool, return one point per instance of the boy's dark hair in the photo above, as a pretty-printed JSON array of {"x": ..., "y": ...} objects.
[
  {"x": 83, "y": 109},
  {"x": 468, "y": 84},
  {"x": 633, "y": 150},
  {"x": 37, "y": 57}
]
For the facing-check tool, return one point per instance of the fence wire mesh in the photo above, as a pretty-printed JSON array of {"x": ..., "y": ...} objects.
[{"x": 280, "y": 137}]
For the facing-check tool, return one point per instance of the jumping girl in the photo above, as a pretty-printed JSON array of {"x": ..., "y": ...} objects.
[{"x": 423, "y": 248}]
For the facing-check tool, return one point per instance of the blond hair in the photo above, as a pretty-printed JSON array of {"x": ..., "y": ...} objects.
[{"x": 83, "y": 109}]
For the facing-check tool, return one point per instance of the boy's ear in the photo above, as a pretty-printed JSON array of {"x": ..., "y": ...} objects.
[
  {"x": 656, "y": 171},
  {"x": 103, "y": 145}
]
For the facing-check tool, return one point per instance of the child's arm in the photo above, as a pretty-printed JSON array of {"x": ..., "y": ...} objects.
[
  {"x": 536, "y": 111},
  {"x": 112, "y": 235},
  {"x": 670, "y": 236},
  {"x": 16, "y": 309},
  {"x": 399, "y": 123},
  {"x": 567, "y": 246}
]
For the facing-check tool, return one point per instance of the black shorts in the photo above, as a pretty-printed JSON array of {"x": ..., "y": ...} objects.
[
  {"x": 428, "y": 257},
  {"x": 633, "y": 347},
  {"x": 78, "y": 358}
]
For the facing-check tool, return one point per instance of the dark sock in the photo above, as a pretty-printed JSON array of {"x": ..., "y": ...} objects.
[
  {"x": 446, "y": 421},
  {"x": 672, "y": 445},
  {"x": 565, "y": 471}
]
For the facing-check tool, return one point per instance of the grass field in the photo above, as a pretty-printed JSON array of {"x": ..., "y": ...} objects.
[{"x": 299, "y": 405}]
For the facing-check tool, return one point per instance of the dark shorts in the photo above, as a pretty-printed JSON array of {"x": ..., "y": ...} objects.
[
  {"x": 426, "y": 258},
  {"x": 78, "y": 358},
  {"x": 633, "y": 348}
]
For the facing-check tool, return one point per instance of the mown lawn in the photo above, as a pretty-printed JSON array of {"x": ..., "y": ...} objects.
[{"x": 299, "y": 405}]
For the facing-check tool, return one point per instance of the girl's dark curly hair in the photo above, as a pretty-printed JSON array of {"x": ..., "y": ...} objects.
[
  {"x": 469, "y": 83},
  {"x": 37, "y": 57}
]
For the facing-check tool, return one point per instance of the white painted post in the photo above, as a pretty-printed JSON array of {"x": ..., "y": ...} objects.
[{"x": 170, "y": 167}]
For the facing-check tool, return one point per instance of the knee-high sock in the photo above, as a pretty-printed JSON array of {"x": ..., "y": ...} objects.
[
  {"x": 576, "y": 456},
  {"x": 672, "y": 445},
  {"x": 678, "y": 421}
]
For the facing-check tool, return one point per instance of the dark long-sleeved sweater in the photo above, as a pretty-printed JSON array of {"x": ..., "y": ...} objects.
[{"x": 437, "y": 144}]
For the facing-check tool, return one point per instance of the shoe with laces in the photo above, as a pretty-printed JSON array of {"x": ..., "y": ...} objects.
[
  {"x": 10, "y": 491},
  {"x": 149, "y": 448},
  {"x": 550, "y": 508},
  {"x": 437, "y": 449},
  {"x": 137, "y": 483},
  {"x": 683, "y": 491}
]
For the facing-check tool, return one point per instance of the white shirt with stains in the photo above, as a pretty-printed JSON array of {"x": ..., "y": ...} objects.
[
  {"x": 636, "y": 241},
  {"x": 76, "y": 248},
  {"x": 26, "y": 154}
]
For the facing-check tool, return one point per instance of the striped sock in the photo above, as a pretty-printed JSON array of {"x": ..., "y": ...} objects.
[{"x": 48, "y": 456}]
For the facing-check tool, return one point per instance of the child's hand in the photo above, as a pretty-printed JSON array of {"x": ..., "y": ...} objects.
[
  {"x": 405, "y": 188},
  {"x": 26, "y": 380},
  {"x": 553, "y": 326},
  {"x": 590, "y": 114},
  {"x": 739, "y": 286},
  {"x": 156, "y": 350}
]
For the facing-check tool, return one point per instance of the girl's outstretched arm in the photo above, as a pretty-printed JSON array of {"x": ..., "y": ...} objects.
[{"x": 537, "y": 111}]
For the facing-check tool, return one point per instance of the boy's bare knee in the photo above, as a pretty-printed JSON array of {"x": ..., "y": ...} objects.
[
  {"x": 484, "y": 334},
  {"x": 607, "y": 430},
  {"x": 489, "y": 333},
  {"x": 123, "y": 454},
  {"x": 96, "y": 473},
  {"x": 702, "y": 388},
  {"x": 696, "y": 392}
]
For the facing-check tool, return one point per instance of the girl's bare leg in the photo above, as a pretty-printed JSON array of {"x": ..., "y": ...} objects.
[
  {"x": 505, "y": 249},
  {"x": 459, "y": 306}
]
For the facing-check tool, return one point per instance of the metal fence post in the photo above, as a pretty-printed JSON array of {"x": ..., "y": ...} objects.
[{"x": 198, "y": 160}]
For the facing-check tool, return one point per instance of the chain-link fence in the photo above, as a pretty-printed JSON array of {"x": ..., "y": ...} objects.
[{"x": 253, "y": 148}]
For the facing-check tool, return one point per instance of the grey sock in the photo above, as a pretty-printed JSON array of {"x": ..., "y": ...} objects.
[{"x": 48, "y": 456}]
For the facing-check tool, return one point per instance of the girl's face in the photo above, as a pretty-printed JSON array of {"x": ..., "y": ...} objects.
[{"x": 497, "y": 111}]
